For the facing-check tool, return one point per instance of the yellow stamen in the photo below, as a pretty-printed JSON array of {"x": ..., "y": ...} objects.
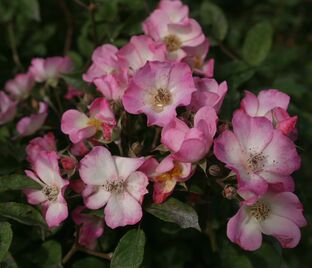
[
  {"x": 94, "y": 122},
  {"x": 174, "y": 173}
]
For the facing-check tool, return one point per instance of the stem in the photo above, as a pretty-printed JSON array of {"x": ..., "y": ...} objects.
[
  {"x": 70, "y": 253},
  {"x": 92, "y": 8},
  {"x": 103, "y": 255},
  {"x": 156, "y": 137},
  {"x": 118, "y": 143},
  {"x": 70, "y": 25},
  {"x": 228, "y": 52},
  {"x": 212, "y": 237},
  {"x": 13, "y": 45}
]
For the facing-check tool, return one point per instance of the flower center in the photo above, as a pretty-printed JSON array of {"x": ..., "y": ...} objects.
[
  {"x": 171, "y": 174},
  {"x": 94, "y": 122},
  {"x": 172, "y": 42},
  {"x": 260, "y": 210},
  {"x": 161, "y": 98},
  {"x": 198, "y": 64},
  {"x": 256, "y": 162},
  {"x": 116, "y": 187},
  {"x": 51, "y": 192}
]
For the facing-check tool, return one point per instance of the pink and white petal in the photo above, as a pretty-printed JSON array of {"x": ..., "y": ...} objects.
[
  {"x": 97, "y": 198},
  {"x": 283, "y": 229},
  {"x": 250, "y": 103},
  {"x": 35, "y": 197},
  {"x": 136, "y": 185},
  {"x": 209, "y": 116},
  {"x": 165, "y": 165},
  {"x": 82, "y": 134},
  {"x": 33, "y": 176},
  {"x": 126, "y": 165},
  {"x": 98, "y": 166},
  {"x": 253, "y": 133},
  {"x": 162, "y": 190},
  {"x": 244, "y": 231},
  {"x": 100, "y": 108},
  {"x": 281, "y": 155},
  {"x": 149, "y": 167},
  {"x": 269, "y": 99},
  {"x": 252, "y": 182},
  {"x": 73, "y": 120},
  {"x": 56, "y": 213},
  {"x": 192, "y": 150},
  {"x": 121, "y": 210}
]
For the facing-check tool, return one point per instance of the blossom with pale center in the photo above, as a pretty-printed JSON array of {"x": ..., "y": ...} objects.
[
  {"x": 20, "y": 87},
  {"x": 115, "y": 183},
  {"x": 276, "y": 214},
  {"x": 141, "y": 49},
  {"x": 46, "y": 143},
  {"x": 165, "y": 175},
  {"x": 28, "y": 125},
  {"x": 157, "y": 89},
  {"x": 273, "y": 105},
  {"x": 51, "y": 196},
  {"x": 50, "y": 69},
  {"x": 191, "y": 144},
  {"x": 91, "y": 227},
  {"x": 80, "y": 126},
  {"x": 208, "y": 93},
  {"x": 259, "y": 155},
  {"x": 7, "y": 108}
]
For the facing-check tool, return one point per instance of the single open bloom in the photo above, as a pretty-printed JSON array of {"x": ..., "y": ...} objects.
[
  {"x": 51, "y": 196},
  {"x": 191, "y": 144},
  {"x": 115, "y": 183},
  {"x": 157, "y": 89},
  {"x": 28, "y": 125},
  {"x": 165, "y": 175},
  {"x": 208, "y": 93},
  {"x": 80, "y": 126},
  {"x": 50, "y": 69},
  {"x": 258, "y": 154},
  {"x": 276, "y": 214},
  {"x": 35, "y": 146},
  {"x": 91, "y": 227},
  {"x": 272, "y": 104},
  {"x": 7, "y": 108},
  {"x": 20, "y": 87}
]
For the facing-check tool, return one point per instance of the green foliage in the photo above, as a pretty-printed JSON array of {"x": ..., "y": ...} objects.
[
  {"x": 17, "y": 182},
  {"x": 130, "y": 250},
  {"x": 6, "y": 235}
]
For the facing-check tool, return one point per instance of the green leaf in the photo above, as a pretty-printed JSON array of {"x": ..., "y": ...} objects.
[
  {"x": 258, "y": 43},
  {"x": 49, "y": 255},
  {"x": 130, "y": 250},
  {"x": 6, "y": 235},
  {"x": 75, "y": 80},
  {"x": 90, "y": 262},
  {"x": 175, "y": 211},
  {"x": 17, "y": 182},
  {"x": 8, "y": 261},
  {"x": 230, "y": 257},
  {"x": 266, "y": 256},
  {"x": 30, "y": 9},
  {"x": 214, "y": 21},
  {"x": 22, "y": 213}
]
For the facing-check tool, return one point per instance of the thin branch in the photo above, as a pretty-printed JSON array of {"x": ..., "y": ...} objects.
[
  {"x": 70, "y": 253},
  {"x": 228, "y": 52},
  {"x": 13, "y": 46},
  {"x": 82, "y": 4},
  {"x": 103, "y": 255},
  {"x": 70, "y": 25},
  {"x": 92, "y": 8}
]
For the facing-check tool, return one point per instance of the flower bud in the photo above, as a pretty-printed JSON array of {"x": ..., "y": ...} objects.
[
  {"x": 68, "y": 163},
  {"x": 214, "y": 170},
  {"x": 229, "y": 192}
]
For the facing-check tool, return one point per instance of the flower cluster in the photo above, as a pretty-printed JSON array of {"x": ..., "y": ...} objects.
[{"x": 158, "y": 85}]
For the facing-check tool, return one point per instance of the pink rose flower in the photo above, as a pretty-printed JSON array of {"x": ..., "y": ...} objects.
[
  {"x": 91, "y": 227},
  {"x": 196, "y": 59},
  {"x": 50, "y": 69},
  {"x": 51, "y": 196},
  {"x": 7, "y": 108},
  {"x": 175, "y": 35},
  {"x": 28, "y": 125},
  {"x": 115, "y": 183},
  {"x": 46, "y": 143},
  {"x": 140, "y": 50},
  {"x": 259, "y": 155},
  {"x": 272, "y": 104},
  {"x": 165, "y": 175},
  {"x": 191, "y": 144},
  {"x": 276, "y": 214},
  {"x": 208, "y": 93},
  {"x": 79, "y": 126},
  {"x": 157, "y": 89},
  {"x": 20, "y": 87}
]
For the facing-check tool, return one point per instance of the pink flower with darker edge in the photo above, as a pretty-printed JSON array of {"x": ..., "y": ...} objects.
[
  {"x": 7, "y": 108},
  {"x": 28, "y": 125},
  {"x": 20, "y": 87},
  {"x": 176, "y": 36},
  {"x": 272, "y": 104},
  {"x": 50, "y": 69},
  {"x": 191, "y": 144},
  {"x": 276, "y": 214},
  {"x": 196, "y": 59},
  {"x": 80, "y": 126},
  {"x": 51, "y": 196},
  {"x": 157, "y": 89},
  {"x": 175, "y": 10},
  {"x": 208, "y": 93},
  {"x": 46, "y": 143},
  {"x": 165, "y": 175},
  {"x": 115, "y": 183},
  {"x": 141, "y": 49},
  {"x": 259, "y": 155},
  {"x": 91, "y": 227}
]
